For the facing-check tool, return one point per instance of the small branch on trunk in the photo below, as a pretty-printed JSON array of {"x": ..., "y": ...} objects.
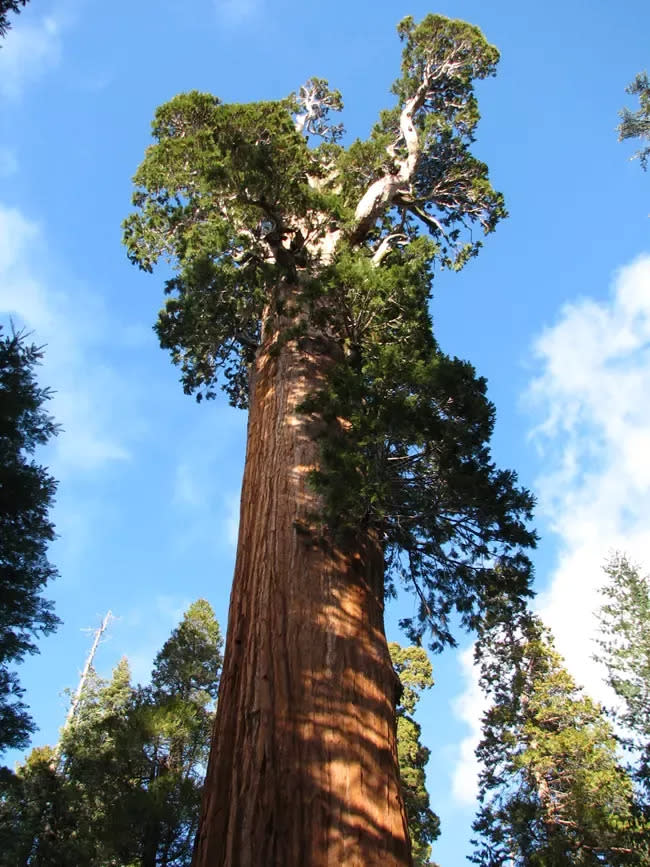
[{"x": 386, "y": 246}]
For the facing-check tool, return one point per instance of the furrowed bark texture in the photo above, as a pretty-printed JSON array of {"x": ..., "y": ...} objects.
[{"x": 303, "y": 769}]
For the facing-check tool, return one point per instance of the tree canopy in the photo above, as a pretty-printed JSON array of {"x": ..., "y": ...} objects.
[{"x": 26, "y": 494}]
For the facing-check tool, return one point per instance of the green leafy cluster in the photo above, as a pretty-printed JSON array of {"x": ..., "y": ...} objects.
[
  {"x": 552, "y": 790},
  {"x": 451, "y": 189},
  {"x": 413, "y": 668},
  {"x": 26, "y": 494},
  {"x": 220, "y": 181},
  {"x": 124, "y": 786},
  {"x": 636, "y": 124}
]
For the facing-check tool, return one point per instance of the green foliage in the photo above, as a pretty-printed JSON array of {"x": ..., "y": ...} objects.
[
  {"x": 272, "y": 239},
  {"x": 188, "y": 665},
  {"x": 37, "y": 814},
  {"x": 413, "y": 668},
  {"x": 552, "y": 791},
  {"x": 451, "y": 188},
  {"x": 26, "y": 495},
  {"x": 7, "y": 6},
  {"x": 636, "y": 124},
  {"x": 625, "y": 652},
  {"x": 127, "y": 787},
  {"x": 218, "y": 182}
]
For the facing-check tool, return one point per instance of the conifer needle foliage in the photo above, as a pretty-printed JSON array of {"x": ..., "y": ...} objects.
[
  {"x": 636, "y": 124},
  {"x": 26, "y": 496},
  {"x": 552, "y": 788}
]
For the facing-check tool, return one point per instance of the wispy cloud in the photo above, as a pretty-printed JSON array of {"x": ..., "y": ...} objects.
[
  {"x": 75, "y": 329},
  {"x": 8, "y": 162},
  {"x": 30, "y": 52},
  {"x": 590, "y": 400},
  {"x": 210, "y": 512},
  {"x": 236, "y": 12}
]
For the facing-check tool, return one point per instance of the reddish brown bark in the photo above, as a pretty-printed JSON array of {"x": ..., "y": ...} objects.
[{"x": 303, "y": 769}]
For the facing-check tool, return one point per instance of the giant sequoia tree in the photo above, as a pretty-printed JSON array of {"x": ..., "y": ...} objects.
[{"x": 301, "y": 282}]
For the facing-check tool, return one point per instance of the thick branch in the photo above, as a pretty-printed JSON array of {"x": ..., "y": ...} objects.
[{"x": 381, "y": 194}]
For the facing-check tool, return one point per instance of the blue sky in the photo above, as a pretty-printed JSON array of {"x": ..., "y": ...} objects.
[{"x": 555, "y": 312}]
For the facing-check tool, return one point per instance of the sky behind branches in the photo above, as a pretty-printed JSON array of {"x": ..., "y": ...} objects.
[{"x": 555, "y": 312}]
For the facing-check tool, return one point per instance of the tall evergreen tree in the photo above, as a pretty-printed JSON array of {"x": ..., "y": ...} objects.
[
  {"x": 552, "y": 790},
  {"x": 26, "y": 495},
  {"x": 413, "y": 668},
  {"x": 126, "y": 788},
  {"x": 178, "y": 714},
  {"x": 625, "y": 652},
  {"x": 636, "y": 124},
  {"x": 302, "y": 278}
]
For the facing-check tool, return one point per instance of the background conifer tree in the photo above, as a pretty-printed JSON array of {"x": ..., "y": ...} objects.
[
  {"x": 26, "y": 495},
  {"x": 124, "y": 787},
  {"x": 552, "y": 789},
  {"x": 636, "y": 124},
  {"x": 625, "y": 652},
  {"x": 414, "y": 670}
]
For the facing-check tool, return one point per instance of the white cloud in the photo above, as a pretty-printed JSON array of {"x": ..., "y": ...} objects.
[
  {"x": 87, "y": 391},
  {"x": 214, "y": 512},
  {"x": 593, "y": 435},
  {"x": 210, "y": 514},
  {"x": 468, "y": 707},
  {"x": 30, "y": 51},
  {"x": 189, "y": 489}
]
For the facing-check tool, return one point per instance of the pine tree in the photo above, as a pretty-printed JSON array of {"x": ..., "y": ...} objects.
[
  {"x": 124, "y": 787},
  {"x": 104, "y": 768},
  {"x": 178, "y": 715},
  {"x": 414, "y": 670},
  {"x": 552, "y": 790},
  {"x": 636, "y": 124},
  {"x": 302, "y": 273},
  {"x": 26, "y": 495},
  {"x": 625, "y": 652}
]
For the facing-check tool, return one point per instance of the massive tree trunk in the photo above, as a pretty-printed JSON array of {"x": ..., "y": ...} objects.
[{"x": 303, "y": 768}]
